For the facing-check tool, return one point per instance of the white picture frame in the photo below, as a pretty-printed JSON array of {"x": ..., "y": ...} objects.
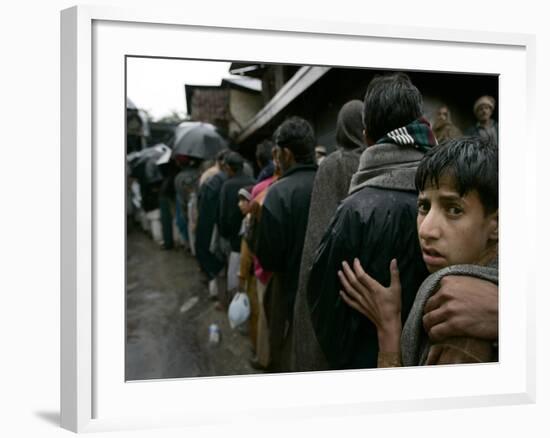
[{"x": 94, "y": 396}]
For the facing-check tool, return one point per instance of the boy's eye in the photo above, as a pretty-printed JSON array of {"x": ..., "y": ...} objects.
[
  {"x": 454, "y": 210},
  {"x": 423, "y": 207}
]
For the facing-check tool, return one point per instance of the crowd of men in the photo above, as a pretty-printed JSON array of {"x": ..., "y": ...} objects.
[{"x": 381, "y": 253}]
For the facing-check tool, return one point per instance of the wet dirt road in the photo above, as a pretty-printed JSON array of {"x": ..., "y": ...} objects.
[{"x": 168, "y": 313}]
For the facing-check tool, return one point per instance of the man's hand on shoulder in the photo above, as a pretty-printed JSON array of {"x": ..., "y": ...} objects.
[{"x": 463, "y": 306}]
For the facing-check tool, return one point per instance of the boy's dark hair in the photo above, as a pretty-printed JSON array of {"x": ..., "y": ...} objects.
[
  {"x": 391, "y": 101},
  {"x": 263, "y": 152},
  {"x": 471, "y": 161},
  {"x": 296, "y": 134}
]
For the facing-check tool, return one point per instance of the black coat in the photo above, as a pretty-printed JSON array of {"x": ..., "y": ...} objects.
[
  {"x": 281, "y": 234},
  {"x": 282, "y": 228},
  {"x": 374, "y": 225},
  {"x": 230, "y": 216},
  {"x": 208, "y": 203}
]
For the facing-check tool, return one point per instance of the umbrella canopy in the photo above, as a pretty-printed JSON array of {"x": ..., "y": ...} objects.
[
  {"x": 197, "y": 139},
  {"x": 144, "y": 164}
]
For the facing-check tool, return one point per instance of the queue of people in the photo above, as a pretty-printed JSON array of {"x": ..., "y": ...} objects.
[{"x": 382, "y": 253}]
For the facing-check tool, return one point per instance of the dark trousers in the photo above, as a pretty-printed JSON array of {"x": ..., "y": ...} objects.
[{"x": 166, "y": 221}]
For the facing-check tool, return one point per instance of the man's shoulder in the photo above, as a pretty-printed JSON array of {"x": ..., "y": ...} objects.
[
  {"x": 290, "y": 191},
  {"x": 374, "y": 206},
  {"x": 215, "y": 180},
  {"x": 212, "y": 185},
  {"x": 238, "y": 181},
  {"x": 373, "y": 198},
  {"x": 294, "y": 180},
  {"x": 279, "y": 191}
]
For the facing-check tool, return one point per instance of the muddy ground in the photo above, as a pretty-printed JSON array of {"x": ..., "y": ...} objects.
[{"x": 168, "y": 314}]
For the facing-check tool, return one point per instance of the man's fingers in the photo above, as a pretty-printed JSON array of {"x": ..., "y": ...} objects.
[
  {"x": 433, "y": 303},
  {"x": 439, "y": 332},
  {"x": 433, "y": 318}
]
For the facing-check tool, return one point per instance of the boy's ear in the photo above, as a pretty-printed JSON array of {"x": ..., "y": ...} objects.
[{"x": 493, "y": 226}]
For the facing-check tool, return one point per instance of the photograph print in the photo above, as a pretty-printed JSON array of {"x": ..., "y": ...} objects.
[{"x": 292, "y": 218}]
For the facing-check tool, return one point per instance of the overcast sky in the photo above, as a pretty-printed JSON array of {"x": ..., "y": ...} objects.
[{"x": 158, "y": 85}]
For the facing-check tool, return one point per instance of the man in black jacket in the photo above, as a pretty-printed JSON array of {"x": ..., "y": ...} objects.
[
  {"x": 208, "y": 205},
  {"x": 230, "y": 216},
  {"x": 375, "y": 223},
  {"x": 282, "y": 231}
]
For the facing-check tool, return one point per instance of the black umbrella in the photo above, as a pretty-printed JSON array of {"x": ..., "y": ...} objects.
[
  {"x": 198, "y": 139},
  {"x": 144, "y": 164}
]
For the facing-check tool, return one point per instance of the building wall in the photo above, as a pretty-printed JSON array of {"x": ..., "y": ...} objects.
[
  {"x": 211, "y": 106},
  {"x": 243, "y": 106}
]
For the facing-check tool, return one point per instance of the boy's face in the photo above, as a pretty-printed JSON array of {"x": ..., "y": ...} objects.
[{"x": 453, "y": 229}]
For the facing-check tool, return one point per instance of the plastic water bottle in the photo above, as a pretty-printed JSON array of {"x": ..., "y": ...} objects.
[{"x": 214, "y": 334}]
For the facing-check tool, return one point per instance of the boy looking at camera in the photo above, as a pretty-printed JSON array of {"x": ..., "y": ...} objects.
[{"x": 457, "y": 226}]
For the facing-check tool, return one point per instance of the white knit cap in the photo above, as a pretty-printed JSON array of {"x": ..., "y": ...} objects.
[
  {"x": 487, "y": 100},
  {"x": 245, "y": 194}
]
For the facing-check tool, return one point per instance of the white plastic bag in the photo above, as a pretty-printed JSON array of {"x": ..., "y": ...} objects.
[{"x": 239, "y": 310}]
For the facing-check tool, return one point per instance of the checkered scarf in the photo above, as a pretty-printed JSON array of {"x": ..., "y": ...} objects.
[{"x": 417, "y": 134}]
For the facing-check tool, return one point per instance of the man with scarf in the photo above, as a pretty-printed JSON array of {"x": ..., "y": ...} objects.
[
  {"x": 375, "y": 223},
  {"x": 282, "y": 230}
]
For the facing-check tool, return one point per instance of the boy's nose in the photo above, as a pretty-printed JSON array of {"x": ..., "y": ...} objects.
[{"x": 429, "y": 227}]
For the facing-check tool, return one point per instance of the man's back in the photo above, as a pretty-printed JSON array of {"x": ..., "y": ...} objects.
[
  {"x": 208, "y": 212},
  {"x": 283, "y": 224},
  {"x": 375, "y": 225}
]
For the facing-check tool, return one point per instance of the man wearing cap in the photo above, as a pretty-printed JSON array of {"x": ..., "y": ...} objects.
[
  {"x": 282, "y": 231},
  {"x": 486, "y": 126}
]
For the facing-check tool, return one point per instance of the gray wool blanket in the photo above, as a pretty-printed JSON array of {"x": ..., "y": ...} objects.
[{"x": 415, "y": 343}]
